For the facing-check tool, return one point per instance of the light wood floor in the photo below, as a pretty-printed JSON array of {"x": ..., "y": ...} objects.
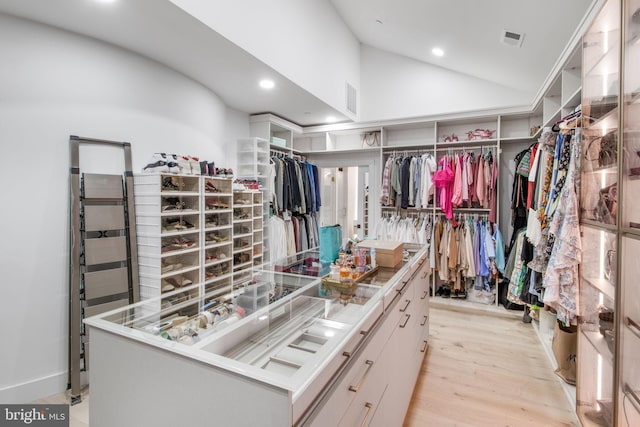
[{"x": 484, "y": 370}]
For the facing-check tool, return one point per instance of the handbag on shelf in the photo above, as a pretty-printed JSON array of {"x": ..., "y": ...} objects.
[
  {"x": 607, "y": 206},
  {"x": 603, "y": 151},
  {"x": 610, "y": 265},
  {"x": 608, "y": 149}
]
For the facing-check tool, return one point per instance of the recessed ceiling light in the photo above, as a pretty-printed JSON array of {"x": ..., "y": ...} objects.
[
  {"x": 330, "y": 119},
  {"x": 437, "y": 51},
  {"x": 267, "y": 84}
]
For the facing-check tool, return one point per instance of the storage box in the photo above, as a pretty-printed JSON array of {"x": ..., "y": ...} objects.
[
  {"x": 388, "y": 252},
  {"x": 278, "y": 141}
]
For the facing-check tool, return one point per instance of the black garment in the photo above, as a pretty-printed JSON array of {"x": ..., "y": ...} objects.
[
  {"x": 518, "y": 201},
  {"x": 316, "y": 181},
  {"x": 404, "y": 182}
]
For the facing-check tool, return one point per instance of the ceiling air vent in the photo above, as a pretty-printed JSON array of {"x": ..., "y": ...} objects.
[
  {"x": 351, "y": 99},
  {"x": 511, "y": 38}
]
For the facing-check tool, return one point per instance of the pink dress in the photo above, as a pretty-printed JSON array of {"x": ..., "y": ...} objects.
[
  {"x": 456, "y": 197},
  {"x": 443, "y": 180}
]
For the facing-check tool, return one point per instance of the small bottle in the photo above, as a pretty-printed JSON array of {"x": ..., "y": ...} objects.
[
  {"x": 345, "y": 273},
  {"x": 335, "y": 272},
  {"x": 373, "y": 257}
]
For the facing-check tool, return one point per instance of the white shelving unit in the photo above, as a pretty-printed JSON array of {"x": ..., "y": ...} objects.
[
  {"x": 185, "y": 236},
  {"x": 243, "y": 205},
  {"x": 254, "y": 156},
  {"x": 258, "y": 229},
  {"x": 218, "y": 234},
  {"x": 168, "y": 223}
]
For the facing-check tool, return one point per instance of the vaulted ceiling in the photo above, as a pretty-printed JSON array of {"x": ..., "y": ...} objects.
[{"x": 467, "y": 30}]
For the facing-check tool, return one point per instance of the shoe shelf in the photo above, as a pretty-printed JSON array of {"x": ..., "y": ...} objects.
[
  {"x": 213, "y": 245},
  {"x": 218, "y": 289},
  {"x": 257, "y": 237},
  {"x": 216, "y": 279},
  {"x": 216, "y": 261},
  {"x": 218, "y": 228},
  {"x": 186, "y": 269},
  {"x": 217, "y": 270},
  {"x": 218, "y": 186},
  {"x": 153, "y": 184},
  {"x": 242, "y": 266},
  {"x": 196, "y": 237}
]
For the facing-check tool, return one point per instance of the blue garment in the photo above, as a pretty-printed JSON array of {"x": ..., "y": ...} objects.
[
  {"x": 500, "y": 260},
  {"x": 312, "y": 184},
  {"x": 484, "y": 260}
]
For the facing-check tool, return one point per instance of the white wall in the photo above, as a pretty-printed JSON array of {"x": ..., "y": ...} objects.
[
  {"x": 306, "y": 41},
  {"x": 394, "y": 86},
  {"x": 53, "y": 84}
]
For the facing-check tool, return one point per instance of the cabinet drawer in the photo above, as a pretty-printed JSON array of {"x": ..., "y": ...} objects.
[
  {"x": 363, "y": 408},
  {"x": 357, "y": 378},
  {"x": 423, "y": 281}
]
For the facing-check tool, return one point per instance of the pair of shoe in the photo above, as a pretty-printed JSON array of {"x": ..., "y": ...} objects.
[
  {"x": 172, "y": 183},
  {"x": 188, "y": 165},
  {"x": 215, "y": 237},
  {"x": 176, "y": 282},
  {"x": 241, "y": 258},
  {"x": 172, "y": 204},
  {"x": 167, "y": 268},
  {"x": 213, "y": 203},
  {"x": 242, "y": 244},
  {"x": 210, "y": 188},
  {"x": 177, "y": 225},
  {"x": 223, "y": 172},
  {"x": 182, "y": 243},
  {"x": 161, "y": 163}
]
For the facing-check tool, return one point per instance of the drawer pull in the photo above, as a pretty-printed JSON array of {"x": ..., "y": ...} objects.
[
  {"x": 403, "y": 309},
  {"x": 369, "y": 407},
  {"x": 426, "y": 273},
  {"x": 406, "y": 320},
  {"x": 402, "y": 287},
  {"x": 355, "y": 388},
  {"x": 425, "y": 347},
  {"x": 633, "y": 397},
  {"x": 424, "y": 322},
  {"x": 424, "y": 295},
  {"x": 635, "y": 328}
]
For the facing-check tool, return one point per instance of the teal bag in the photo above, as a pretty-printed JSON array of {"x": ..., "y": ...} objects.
[{"x": 330, "y": 243}]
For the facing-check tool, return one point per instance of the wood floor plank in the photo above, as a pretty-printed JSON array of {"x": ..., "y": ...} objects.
[{"x": 482, "y": 370}]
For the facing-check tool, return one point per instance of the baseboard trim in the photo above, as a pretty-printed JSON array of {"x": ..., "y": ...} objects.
[{"x": 30, "y": 391}]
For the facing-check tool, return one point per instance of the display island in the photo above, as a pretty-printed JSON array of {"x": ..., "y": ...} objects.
[{"x": 283, "y": 349}]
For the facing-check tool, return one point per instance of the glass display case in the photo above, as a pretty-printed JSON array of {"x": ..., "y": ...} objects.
[
  {"x": 608, "y": 390},
  {"x": 599, "y": 217},
  {"x": 279, "y": 336},
  {"x": 629, "y": 307}
]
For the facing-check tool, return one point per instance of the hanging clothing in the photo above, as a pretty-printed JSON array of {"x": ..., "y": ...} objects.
[{"x": 561, "y": 279}]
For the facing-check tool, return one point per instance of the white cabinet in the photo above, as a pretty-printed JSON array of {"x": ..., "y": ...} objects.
[{"x": 377, "y": 387}]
